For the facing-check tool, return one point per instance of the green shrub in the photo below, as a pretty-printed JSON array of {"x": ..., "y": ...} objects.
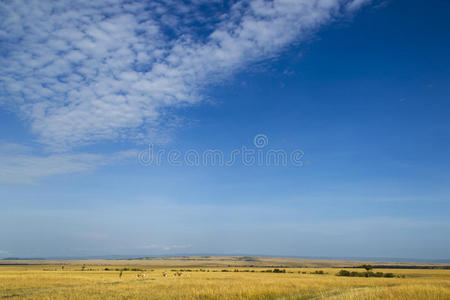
[
  {"x": 278, "y": 271},
  {"x": 343, "y": 273},
  {"x": 363, "y": 274}
]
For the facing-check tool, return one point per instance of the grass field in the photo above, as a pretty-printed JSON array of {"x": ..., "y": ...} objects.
[{"x": 212, "y": 278}]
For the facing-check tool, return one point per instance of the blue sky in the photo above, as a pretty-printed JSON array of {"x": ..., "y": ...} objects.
[{"x": 361, "y": 88}]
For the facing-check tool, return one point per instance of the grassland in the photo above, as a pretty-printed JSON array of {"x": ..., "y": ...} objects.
[{"x": 213, "y": 278}]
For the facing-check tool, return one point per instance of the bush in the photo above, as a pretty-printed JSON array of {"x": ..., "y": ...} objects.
[
  {"x": 278, "y": 271},
  {"x": 343, "y": 273},
  {"x": 363, "y": 274}
]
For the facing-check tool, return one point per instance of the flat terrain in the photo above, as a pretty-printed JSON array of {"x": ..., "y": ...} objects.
[{"x": 215, "y": 278}]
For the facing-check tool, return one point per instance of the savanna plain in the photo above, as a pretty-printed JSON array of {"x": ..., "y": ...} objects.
[{"x": 219, "y": 278}]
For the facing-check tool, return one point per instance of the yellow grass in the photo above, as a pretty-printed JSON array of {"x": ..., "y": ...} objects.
[{"x": 51, "y": 282}]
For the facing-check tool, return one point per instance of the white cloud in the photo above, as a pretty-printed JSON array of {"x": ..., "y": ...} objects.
[
  {"x": 356, "y": 4},
  {"x": 20, "y": 165},
  {"x": 82, "y": 71},
  {"x": 7, "y": 147}
]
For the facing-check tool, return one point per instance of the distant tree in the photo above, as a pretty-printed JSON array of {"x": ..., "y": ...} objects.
[{"x": 367, "y": 267}]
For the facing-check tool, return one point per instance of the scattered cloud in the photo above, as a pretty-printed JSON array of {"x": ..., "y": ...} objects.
[
  {"x": 83, "y": 71},
  {"x": 20, "y": 165}
]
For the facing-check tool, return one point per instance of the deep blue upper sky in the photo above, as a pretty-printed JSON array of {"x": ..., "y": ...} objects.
[{"x": 365, "y": 96}]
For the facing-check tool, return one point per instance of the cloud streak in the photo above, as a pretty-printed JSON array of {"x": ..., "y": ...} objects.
[
  {"x": 84, "y": 71},
  {"x": 20, "y": 165}
]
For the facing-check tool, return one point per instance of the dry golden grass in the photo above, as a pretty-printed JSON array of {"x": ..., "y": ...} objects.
[{"x": 51, "y": 282}]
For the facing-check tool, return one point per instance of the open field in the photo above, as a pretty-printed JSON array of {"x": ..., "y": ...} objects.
[{"x": 213, "y": 278}]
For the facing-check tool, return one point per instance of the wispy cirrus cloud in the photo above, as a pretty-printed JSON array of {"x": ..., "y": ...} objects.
[
  {"x": 19, "y": 164},
  {"x": 356, "y": 4},
  {"x": 83, "y": 71}
]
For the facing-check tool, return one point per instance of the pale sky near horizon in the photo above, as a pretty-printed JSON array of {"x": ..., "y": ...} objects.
[{"x": 353, "y": 94}]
